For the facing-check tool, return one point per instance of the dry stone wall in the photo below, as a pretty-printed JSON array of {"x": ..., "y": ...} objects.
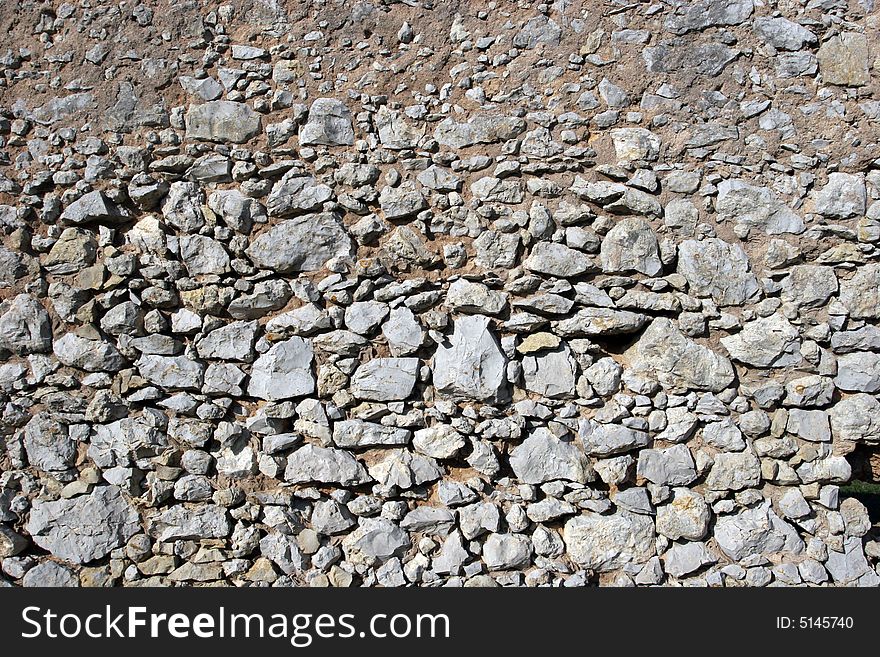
[{"x": 438, "y": 293}]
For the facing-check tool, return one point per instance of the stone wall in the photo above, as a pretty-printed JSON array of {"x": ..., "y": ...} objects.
[{"x": 438, "y": 294}]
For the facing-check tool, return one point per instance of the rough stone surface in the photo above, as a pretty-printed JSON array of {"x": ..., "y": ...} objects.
[
  {"x": 84, "y": 528},
  {"x": 426, "y": 294}
]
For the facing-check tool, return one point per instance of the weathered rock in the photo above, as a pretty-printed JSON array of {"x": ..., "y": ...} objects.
[
  {"x": 171, "y": 372},
  {"x": 677, "y": 362},
  {"x": 542, "y": 457},
  {"x": 842, "y": 197},
  {"x": 608, "y": 439},
  {"x": 765, "y": 342},
  {"x": 324, "y": 465},
  {"x": 48, "y": 444},
  {"x": 375, "y": 541},
  {"x": 686, "y": 516},
  {"x": 856, "y": 419},
  {"x": 284, "y": 371},
  {"x": 385, "y": 379},
  {"x": 861, "y": 293},
  {"x": 89, "y": 355},
  {"x": 606, "y": 543},
  {"x": 756, "y": 531},
  {"x": 84, "y": 528},
  {"x": 843, "y": 60},
  {"x": 222, "y": 120},
  {"x": 734, "y": 471},
  {"x": 757, "y": 207},
  {"x": 782, "y": 33},
  {"x": 328, "y": 124},
  {"x": 717, "y": 269},
  {"x": 301, "y": 244},
  {"x": 672, "y": 466},
  {"x": 472, "y": 366},
  {"x": 631, "y": 246},
  {"x": 25, "y": 326}
]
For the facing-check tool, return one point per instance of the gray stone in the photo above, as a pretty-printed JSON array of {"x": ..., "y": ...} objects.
[
  {"x": 385, "y": 379},
  {"x": 675, "y": 361},
  {"x": 324, "y": 465},
  {"x": 363, "y": 317},
  {"x": 403, "y": 332},
  {"x": 204, "y": 521},
  {"x": 470, "y": 297},
  {"x": 497, "y": 250},
  {"x": 704, "y": 59},
  {"x": 234, "y": 341},
  {"x": 734, "y": 471},
  {"x": 203, "y": 255},
  {"x": 182, "y": 207},
  {"x": 472, "y": 366},
  {"x": 25, "y": 326},
  {"x": 557, "y": 260},
  {"x": 756, "y": 531},
  {"x": 724, "y": 435},
  {"x": 480, "y": 129},
  {"x": 439, "y": 179},
  {"x": 714, "y": 268},
  {"x": 542, "y": 457},
  {"x": 793, "y": 505},
  {"x": 50, "y": 574},
  {"x": 861, "y": 293},
  {"x": 550, "y": 374},
  {"x": 222, "y": 121},
  {"x": 92, "y": 207},
  {"x": 631, "y": 246},
  {"x": 672, "y": 466},
  {"x": 686, "y": 516},
  {"x": 607, "y": 439},
  {"x": 284, "y": 371},
  {"x": 505, "y": 551},
  {"x": 84, "y": 528},
  {"x": 401, "y": 201},
  {"x": 635, "y": 144},
  {"x": 856, "y": 419},
  {"x": 842, "y": 197},
  {"x": 328, "y": 124},
  {"x": 171, "y": 372},
  {"x": 48, "y": 444},
  {"x": 441, "y": 441},
  {"x": 765, "y": 342},
  {"x": 782, "y": 33},
  {"x": 600, "y": 322},
  {"x": 90, "y": 355},
  {"x": 705, "y": 13},
  {"x": 376, "y": 540},
  {"x": 809, "y": 425},
  {"x": 604, "y": 543},
  {"x": 858, "y": 371},
  {"x": 757, "y": 207},
  {"x": 687, "y": 558},
  {"x": 394, "y": 132},
  {"x": 538, "y": 30},
  {"x": 809, "y": 286},
  {"x": 301, "y": 244}
]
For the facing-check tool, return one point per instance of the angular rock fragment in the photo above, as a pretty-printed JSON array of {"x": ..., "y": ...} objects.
[
  {"x": 663, "y": 352},
  {"x": 472, "y": 366},
  {"x": 84, "y": 528},
  {"x": 222, "y": 120},
  {"x": 328, "y": 124},
  {"x": 301, "y": 244}
]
